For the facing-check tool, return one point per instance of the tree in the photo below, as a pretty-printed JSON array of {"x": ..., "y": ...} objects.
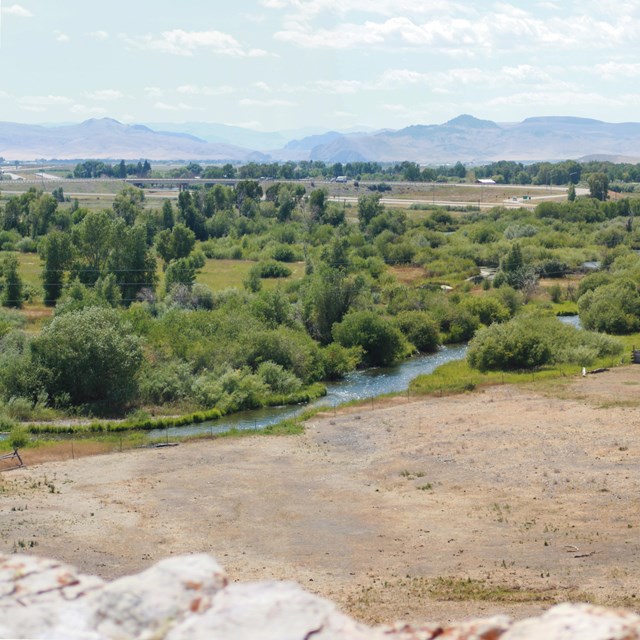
[
  {"x": 91, "y": 356},
  {"x": 612, "y": 308},
  {"x": 329, "y": 297},
  {"x": 168, "y": 217},
  {"x": 381, "y": 342},
  {"x": 93, "y": 240},
  {"x": 598, "y": 186},
  {"x": 41, "y": 212},
  {"x": 369, "y": 206},
  {"x": 571, "y": 194},
  {"x": 175, "y": 243},
  {"x": 132, "y": 263},
  {"x": 12, "y": 294},
  {"x": 56, "y": 252},
  {"x": 128, "y": 204},
  {"x": 421, "y": 330}
]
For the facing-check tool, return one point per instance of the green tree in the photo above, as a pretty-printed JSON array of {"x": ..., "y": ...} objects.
[
  {"x": 93, "y": 241},
  {"x": 12, "y": 293},
  {"x": 132, "y": 263},
  {"x": 381, "y": 342},
  {"x": 571, "y": 194},
  {"x": 611, "y": 308},
  {"x": 56, "y": 252},
  {"x": 330, "y": 295},
  {"x": 598, "y": 185},
  {"x": 168, "y": 217},
  {"x": 420, "y": 329},
  {"x": 175, "y": 243},
  {"x": 92, "y": 357},
  {"x": 128, "y": 204},
  {"x": 369, "y": 206}
]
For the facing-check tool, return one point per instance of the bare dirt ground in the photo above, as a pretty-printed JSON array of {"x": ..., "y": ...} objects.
[{"x": 533, "y": 493}]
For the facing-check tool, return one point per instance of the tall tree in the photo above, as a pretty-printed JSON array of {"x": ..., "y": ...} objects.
[
  {"x": 56, "y": 252},
  {"x": 598, "y": 185},
  {"x": 12, "y": 294}
]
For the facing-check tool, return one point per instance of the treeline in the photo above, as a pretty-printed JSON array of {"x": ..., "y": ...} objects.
[
  {"x": 133, "y": 327},
  {"x": 99, "y": 169}
]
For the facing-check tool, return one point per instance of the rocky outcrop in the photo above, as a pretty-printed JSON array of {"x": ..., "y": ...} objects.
[{"x": 189, "y": 598}]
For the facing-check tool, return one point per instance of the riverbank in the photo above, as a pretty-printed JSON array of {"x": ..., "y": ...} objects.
[{"x": 529, "y": 491}]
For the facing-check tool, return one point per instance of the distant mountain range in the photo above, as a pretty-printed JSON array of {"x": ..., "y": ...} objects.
[{"x": 465, "y": 138}]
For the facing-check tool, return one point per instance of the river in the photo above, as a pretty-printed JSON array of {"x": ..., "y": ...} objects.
[{"x": 359, "y": 385}]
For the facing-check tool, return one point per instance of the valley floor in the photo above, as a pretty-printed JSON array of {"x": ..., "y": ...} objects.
[{"x": 531, "y": 492}]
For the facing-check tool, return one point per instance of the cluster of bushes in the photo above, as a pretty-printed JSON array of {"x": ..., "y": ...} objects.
[{"x": 528, "y": 342}]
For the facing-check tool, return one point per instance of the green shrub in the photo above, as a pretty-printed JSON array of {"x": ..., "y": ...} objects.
[
  {"x": 277, "y": 378},
  {"x": 19, "y": 437},
  {"x": 382, "y": 343},
  {"x": 516, "y": 344},
  {"x": 273, "y": 269},
  {"x": 612, "y": 308},
  {"x": 337, "y": 360},
  {"x": 420, "y": 329}
]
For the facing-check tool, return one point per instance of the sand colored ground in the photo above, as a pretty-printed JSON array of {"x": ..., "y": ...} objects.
[{"x": 532, "y": 492}]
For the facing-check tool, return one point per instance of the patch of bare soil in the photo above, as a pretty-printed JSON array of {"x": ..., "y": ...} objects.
[{"x": 505, "y": 500}]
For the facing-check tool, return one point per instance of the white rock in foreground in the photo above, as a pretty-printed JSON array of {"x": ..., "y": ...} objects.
[{"x": 188, "y": 598}]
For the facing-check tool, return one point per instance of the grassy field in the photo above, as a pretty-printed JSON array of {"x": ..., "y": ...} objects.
[
  {"x": 216, "y": 274},
  {"x": 222, "y": 274}
]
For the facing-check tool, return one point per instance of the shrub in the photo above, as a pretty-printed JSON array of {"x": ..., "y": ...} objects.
[
  {"x": 19, "y": 437},
  {"x": 420, "y": 329},
  {"x": 278, "y": 379},
  {"x": 273, "y": 269},
  {"x": 513, "y": 345},
  {"x": 165, "y": 382},
  {"x": 381, "y": 342},
  {"x": 284, "y": 253},
  {"x": 612, "y": 308},
  {"x": 528, "y": 342},
  {"x": 337, "y": 360},
  {"x": 91, "y": 355}
]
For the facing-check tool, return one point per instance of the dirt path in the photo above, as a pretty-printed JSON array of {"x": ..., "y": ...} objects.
[{"x": 388, "y": 512}]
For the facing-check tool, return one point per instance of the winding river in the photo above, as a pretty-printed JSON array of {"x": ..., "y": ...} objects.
[{"x": 359, "y": 385}]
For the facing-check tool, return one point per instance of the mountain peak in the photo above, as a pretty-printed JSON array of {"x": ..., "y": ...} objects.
[{"x": 467, "y": 121}]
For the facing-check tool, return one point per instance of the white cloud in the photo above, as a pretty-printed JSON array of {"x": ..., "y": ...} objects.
[
  {"x": 186, "y": 43},
  {"x": 83, "y": 110},
  {"x": 263, "y": 86},
  {"x": 44, "y": 101},
  {"x": 100, "y": 35},
  {"x": 105, "y": 95},
  {"x": 453, "y": 29},
  {"x": 338, "y": 86},
  {"x": 249, "y": 102},
  {"x": 306, "y": 9},
  {"x": 154, "y": 92},
  {"x": 197, "y": 90},
  {"x": 549, "y": 100},
  {"x": 614, "y": 70},
  {"x": 181, "y": 106},
  {"x": 61, "y": 36},
  {"x": 17, "y": 10}
]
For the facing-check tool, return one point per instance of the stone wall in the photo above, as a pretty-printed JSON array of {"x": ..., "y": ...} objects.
[{"x": 190, "y": 598}]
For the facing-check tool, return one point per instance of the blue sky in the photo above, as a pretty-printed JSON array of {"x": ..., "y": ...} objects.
[{"x": 334, "y": 64}]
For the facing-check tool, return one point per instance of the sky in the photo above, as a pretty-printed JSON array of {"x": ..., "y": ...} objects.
[{"x": 276, "y": 65}]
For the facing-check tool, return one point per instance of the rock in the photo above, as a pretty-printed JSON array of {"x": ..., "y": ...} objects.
[
  {"x": 188, "y": 598},
  {"x": 571, "y": 621},
  {"x": 147, "y": 605},
  {"x": 271, "y": 611},
  {"x": 37, "y": 595}
]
